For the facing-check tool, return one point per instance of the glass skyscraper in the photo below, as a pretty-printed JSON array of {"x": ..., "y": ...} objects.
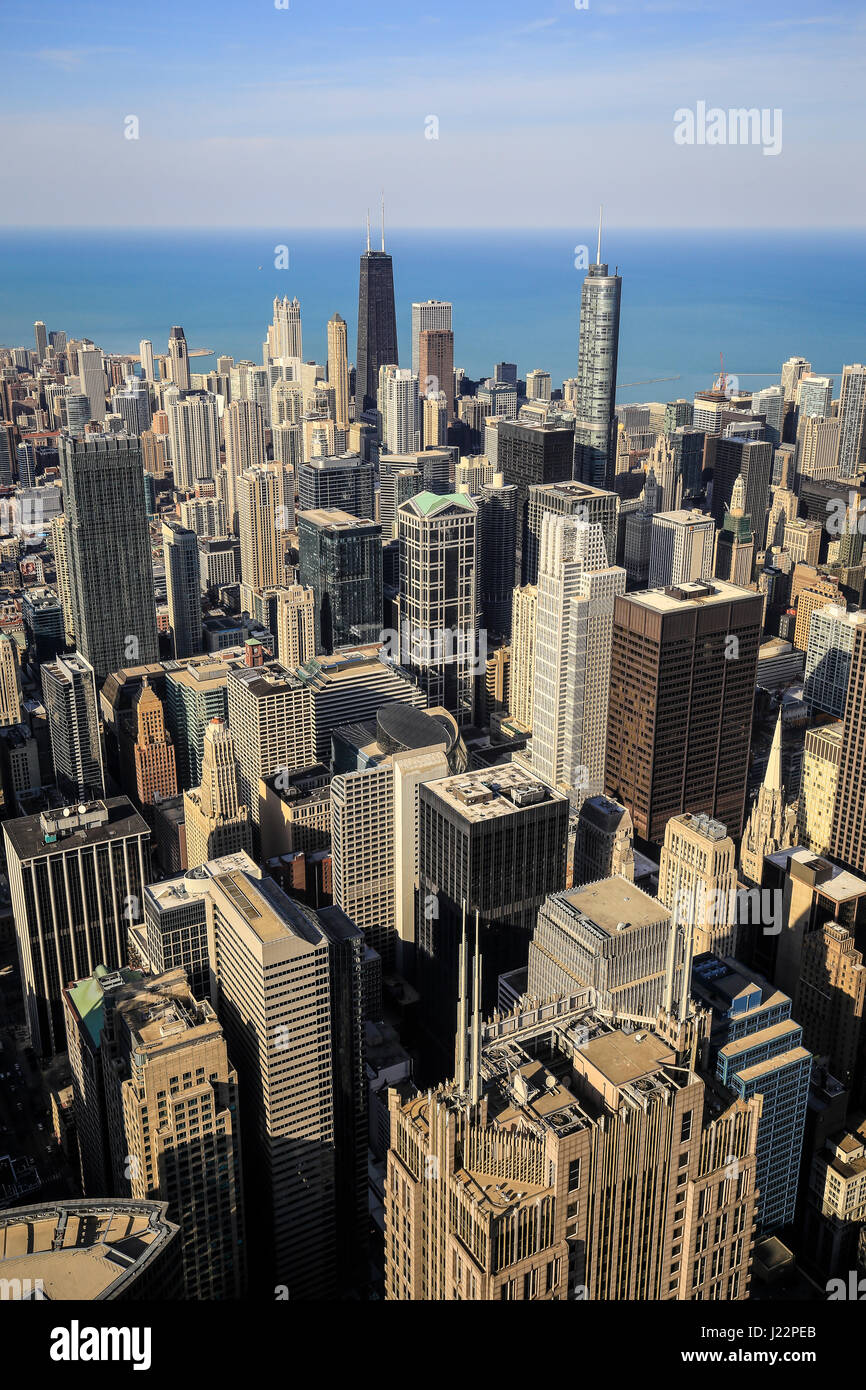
[
  {"x": 108, "y": 542},
  {"x": 595, "y": 393}
]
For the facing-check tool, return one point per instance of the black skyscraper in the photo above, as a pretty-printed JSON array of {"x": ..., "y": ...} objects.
[{"x": 377, "y": 322}]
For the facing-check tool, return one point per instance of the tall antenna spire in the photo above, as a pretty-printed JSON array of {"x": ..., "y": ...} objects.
[
  {"x": 600, "y": 211},
  {"x": 383, "y": 219},
  {"x": 368, "y": 229},
  {"x": 475, "y": 1080},
  {"x": 462, "y": 1022}
]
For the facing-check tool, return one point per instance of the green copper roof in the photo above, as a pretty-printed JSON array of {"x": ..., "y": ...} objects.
[
  {"x": 427, "y": 502},
  {"x": 88, "y": 1000}
]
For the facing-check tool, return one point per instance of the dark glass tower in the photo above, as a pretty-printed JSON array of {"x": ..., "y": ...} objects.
[
  {"x": 340, "y": 559},
  {"x": 377, "y": 322},
  {"x": 594, "y": 433},
  {"x": 110, "y": 567}
]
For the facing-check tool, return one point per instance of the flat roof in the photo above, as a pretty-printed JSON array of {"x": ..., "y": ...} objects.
[
  {"x": 269, "y": 912},
  {"x": 694, "y": 595},
  {"x": 488, "y": 793},
  {"x": 614, "y": 901},
  {"x": 624, "y": 1057},
  {"x": 26, "y": 836}
]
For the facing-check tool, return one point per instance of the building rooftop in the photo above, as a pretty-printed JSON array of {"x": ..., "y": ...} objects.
[
  {"x": 696, "y": 594},
  {"x": 429, "y": 503},
  {"x": 614, "y": 905},
  {"x": 494, "y": 792},
  {"x": 625, "y": 1057},
  {"x": 333, "y": 519},
  {"x": 74, "y": 827},
  {"x": 269, "y": 912},
  {"x": 82, "y": 1250}
]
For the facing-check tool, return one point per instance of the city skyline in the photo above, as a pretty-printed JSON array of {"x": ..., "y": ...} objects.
[{"x": 432, "y": 792}]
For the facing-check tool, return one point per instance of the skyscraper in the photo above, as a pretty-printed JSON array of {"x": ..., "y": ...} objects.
[
  {"x": 852, "y": 421},
  {"x": 730, "y": 458},
  {"x": 438, "y": 610},
  {"x": 338, "y": 369},
  {"x": 345, "y": 483},
  {"x": 498, "y": 513},
  {"x": 145, "y": 357},
  {"x": 374, "y": 824},
  {"x": 10, "y": 698},
  {"x": 578, "y": 500},
  {"x": 216, "y": 822},
  {"x": 155, "y": 767},
  {"x": 377, "y": 323},
  {"x": 848, "y": 835},
  {"x": 274, "y": 1001},
  {"x": 340, "y": 560},
  {"x": 41, "y": 338},
  {"x": 77, "y": 876},
  {"x": 681, "y": 548},
  {"x": 183, "y": 586},
  {"x": 108, "y": 544},
  {"x": 296, "y": 629},
  {"x": 400, "y": 410},
  {"x": 265, "y": 506},
  {"x": 584, "y": 1130},
  {"x": 92, "y": 379},
  {"x": 595, "y": 394},
  {"x": 819, "y": 781},
  {"x": 832, "y": 630},
  {"x": 577, "y": 588},
  {"x": 270, "y": 712},
  {"x": 428, "y": 314},
  {"x": 530, "y": 455},
  {"x": 178, "y": 356},
  {"x": 69, "y": 693},
  {"x": 194, "y": 434},
  {"x": 524, "y": 623},
  {"x": 493, "y": 840},
  {"x": 284, "y": 336},
  {"x": 756, "y": 1049},
  {"x": 436, "y": 365},
  {"x": 171, "y": 1108},
  {"x": 132, "y": 404},
  {"x": 735, "y": 544},
  {"x": 698, "y": 881},
  {"x": 682, "y": 688}
]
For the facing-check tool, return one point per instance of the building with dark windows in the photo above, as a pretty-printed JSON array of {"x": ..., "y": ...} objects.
[
  {"x": 183, "y": 587},
  {"x": 728, "y": 459},
  {"x": 496, "y": 841},
  {"x": 682, "y": 689},
  {"x": 73, "y": 722},
  {"x": 340, "y": 559},
  {"x": 377, "y": 324},
  {"x": 336, "y": 484},
  {"x": 77, "y": 879},
  {"x": 528, "y": 455},
  {"x": 108, "y": 548}
]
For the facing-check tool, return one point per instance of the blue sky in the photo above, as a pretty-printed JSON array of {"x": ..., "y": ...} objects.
[{"x": 253, "y": 115}]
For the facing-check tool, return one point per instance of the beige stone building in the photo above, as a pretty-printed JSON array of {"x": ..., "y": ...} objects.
[
  {"x": 569, "y": 1160},
  {"x": 818, "y": 784},
  {"x": 698, "y": 881}
]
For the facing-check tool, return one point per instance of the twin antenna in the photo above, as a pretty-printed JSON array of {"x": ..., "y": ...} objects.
[
  {"x": 467, "y": 1045},
  {"x": 383, "y": 225}
]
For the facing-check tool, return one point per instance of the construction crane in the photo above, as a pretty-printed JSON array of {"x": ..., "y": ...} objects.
[{"x": 649, "y": 381}]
